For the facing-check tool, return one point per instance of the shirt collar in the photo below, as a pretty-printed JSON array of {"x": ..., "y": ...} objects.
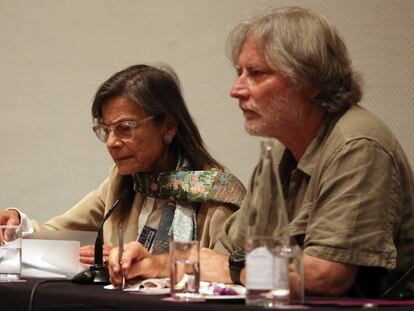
[{"x": 313, "y": 151}]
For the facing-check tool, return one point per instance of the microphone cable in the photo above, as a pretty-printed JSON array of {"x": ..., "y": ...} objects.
[{"x": 37, "y": 284}]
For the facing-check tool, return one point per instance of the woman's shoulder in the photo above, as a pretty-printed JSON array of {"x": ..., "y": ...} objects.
[{"x": 227, "y": 188}]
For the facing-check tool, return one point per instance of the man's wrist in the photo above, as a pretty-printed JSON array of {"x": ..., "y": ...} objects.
[{"x": 236, "y": 264}]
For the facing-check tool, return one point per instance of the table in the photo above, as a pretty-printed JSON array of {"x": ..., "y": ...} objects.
[{"x": 64, "y": 295}]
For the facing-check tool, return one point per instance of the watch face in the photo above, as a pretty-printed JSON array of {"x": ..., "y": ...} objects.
[{"x": 237, "y": 258}]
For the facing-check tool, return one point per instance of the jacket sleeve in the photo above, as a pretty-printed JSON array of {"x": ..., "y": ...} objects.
[{"x": 84, "y": 216}]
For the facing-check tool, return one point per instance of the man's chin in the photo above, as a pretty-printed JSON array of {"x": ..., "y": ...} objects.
[
  {"x": 252, "y": 129},
  {"x": 257, "y": 130}
]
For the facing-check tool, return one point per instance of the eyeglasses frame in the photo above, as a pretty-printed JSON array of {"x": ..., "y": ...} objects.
[{"x": 108, "y": 128}]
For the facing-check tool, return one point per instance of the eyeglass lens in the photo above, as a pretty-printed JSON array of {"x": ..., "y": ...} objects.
[{"x": 122, "y": 130}]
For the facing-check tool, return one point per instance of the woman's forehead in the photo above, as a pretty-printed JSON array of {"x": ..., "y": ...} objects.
[{"x": 121, "y": 108}]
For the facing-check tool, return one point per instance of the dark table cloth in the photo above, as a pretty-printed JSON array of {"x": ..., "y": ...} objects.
[{"x": 63, "y": 295}]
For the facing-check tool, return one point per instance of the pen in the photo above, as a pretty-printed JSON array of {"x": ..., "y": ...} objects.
[{"x": 120, "y": 252}]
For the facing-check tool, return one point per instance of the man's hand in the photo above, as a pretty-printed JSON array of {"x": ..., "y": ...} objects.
[
  {"x": 137, "y": 262},
  {"x": 8, "y": 217},
  {"x": 214, "y": 267},
  {"x": 87, "y": 254},
  {"x": 322, "y": 277}
]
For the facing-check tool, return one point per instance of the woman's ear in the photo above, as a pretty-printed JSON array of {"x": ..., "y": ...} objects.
[
  {"x": 313, "y": 92},
  {"x": 170, "y": 128}
]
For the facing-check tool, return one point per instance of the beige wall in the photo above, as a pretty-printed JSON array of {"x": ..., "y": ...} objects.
[{"x": 54, "y": 54}]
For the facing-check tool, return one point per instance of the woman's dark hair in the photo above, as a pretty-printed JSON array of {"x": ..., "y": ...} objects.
[{"x": 157, "y": 91}]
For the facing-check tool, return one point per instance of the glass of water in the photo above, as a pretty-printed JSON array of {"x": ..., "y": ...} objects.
[
  {"x": 10, "y": 252},
  {"x": 274, "y": 272},
  {"x": 288, "y": 275},
  {"x": 185, "y": 270},
  {"x": 259, "y": 271}
]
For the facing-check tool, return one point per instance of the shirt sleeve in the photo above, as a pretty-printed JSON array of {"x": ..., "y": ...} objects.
[
  {"x": 355, "y": 215},
  {"x": 232, "y": 236},
  {"x": 210, "y": 226}
]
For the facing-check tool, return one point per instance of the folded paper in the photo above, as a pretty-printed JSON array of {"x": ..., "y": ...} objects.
[{"x": 50, "y": 258}]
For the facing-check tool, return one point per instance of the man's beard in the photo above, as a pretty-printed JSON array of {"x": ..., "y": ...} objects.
[{"x": 275, "y": 116}]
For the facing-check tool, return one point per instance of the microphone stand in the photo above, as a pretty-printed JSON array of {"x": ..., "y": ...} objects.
[{"x": 98, "y": 273}]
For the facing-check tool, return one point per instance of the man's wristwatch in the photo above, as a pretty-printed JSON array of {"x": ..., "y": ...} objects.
[{"x": 236, "y": 263}]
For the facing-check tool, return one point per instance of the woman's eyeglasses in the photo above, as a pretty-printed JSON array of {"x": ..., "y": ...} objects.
[{"x": 122, "y": 130}]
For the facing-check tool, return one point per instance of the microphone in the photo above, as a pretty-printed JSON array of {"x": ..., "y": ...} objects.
[{"x": 98, "y": 273}]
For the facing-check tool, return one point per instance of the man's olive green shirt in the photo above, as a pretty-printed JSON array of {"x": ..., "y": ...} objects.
[{"x": 349, "y": 199}]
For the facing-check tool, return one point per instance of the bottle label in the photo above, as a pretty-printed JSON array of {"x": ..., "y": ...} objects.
[{"x": 259, "y": 269}]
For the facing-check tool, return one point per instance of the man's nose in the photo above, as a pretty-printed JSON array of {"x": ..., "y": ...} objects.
[{"x": 239, "y": 89}]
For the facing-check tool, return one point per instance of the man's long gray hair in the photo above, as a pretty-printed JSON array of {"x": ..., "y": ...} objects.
[{"x": 306, "y": 48}]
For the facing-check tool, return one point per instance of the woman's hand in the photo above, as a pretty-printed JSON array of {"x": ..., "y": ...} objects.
[
  {"x": 8, "y": 217},
  {"x": 136, "y": 262},
  {"x": 87, "y": 254}
]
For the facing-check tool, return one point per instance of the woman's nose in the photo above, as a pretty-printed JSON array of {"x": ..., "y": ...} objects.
[
  {"x": 239, "y": 89},
  {"x": 112, "y": 141}
]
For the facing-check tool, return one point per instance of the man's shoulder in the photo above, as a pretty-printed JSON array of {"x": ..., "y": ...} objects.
[{"x": 360, "y": 124}]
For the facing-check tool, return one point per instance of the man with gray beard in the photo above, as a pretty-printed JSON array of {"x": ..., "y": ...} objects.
[{"x": 347, "y": 183}]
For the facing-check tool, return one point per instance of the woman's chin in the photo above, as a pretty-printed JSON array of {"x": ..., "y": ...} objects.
[{"x": 125, "y": 170}]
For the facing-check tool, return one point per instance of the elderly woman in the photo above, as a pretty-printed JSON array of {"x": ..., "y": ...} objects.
[{"x": 167, "y": 184}]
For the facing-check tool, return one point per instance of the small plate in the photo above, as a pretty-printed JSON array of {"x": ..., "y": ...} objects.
[{"x": 207, "y": 290}]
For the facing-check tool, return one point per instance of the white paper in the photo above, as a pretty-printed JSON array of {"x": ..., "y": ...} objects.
[
  {"x": 148, "y": 286},
  {"x": 162, "y": 286},
  {"x": 50, "y": 258}
]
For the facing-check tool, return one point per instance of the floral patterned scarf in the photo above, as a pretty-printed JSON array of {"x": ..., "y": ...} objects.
[{"x": 178, "y": 220}]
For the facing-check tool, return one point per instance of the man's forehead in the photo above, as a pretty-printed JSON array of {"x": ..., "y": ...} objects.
[
  {"x": 252, "y": 54},
  {"x": 258, "y": 61}
]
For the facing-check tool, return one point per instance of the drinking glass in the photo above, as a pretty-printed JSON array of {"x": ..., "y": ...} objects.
[
  {"x": 185, "y": 270},
  {"x": 288, "y": 277},
  {"x": 259, "y": 271},
  {"x": 274, "y": 272},
  {"x": 10, "y": 252}
]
